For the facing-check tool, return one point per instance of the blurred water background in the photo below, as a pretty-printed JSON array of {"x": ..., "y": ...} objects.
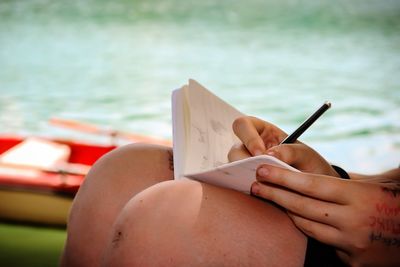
[{"x": 114, "y": 63}]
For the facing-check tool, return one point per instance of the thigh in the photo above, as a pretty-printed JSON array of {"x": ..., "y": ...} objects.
[
  {"x": 112, "y": 181},
  {"x": 187, "y": 223}
]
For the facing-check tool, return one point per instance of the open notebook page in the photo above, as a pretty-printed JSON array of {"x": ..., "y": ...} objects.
[
  {"x": 210, "y": 129},
  {"x": 203, "y": 137}
]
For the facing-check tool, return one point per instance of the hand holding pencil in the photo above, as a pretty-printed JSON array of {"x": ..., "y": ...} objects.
[
  {"x": 260, "y": 137},
  {"x": 344, "y": 214}
]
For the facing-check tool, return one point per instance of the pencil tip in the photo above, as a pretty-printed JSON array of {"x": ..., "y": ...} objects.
[{"x": 328, "y": 103}]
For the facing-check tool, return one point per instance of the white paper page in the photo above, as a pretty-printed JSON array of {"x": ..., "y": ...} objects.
[
  {"x": 238, "y": 175},
  {"x": 178, "y": 132},
  {"x": 211, "y": 134}
]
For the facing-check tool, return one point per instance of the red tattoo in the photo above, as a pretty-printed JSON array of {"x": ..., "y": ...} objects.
[
  {"x": 385, "y": 209},
  {"x": 385, "y": 225}
]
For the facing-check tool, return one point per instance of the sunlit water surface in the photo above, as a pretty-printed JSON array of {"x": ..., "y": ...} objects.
[{"x": 115, "y": 63}]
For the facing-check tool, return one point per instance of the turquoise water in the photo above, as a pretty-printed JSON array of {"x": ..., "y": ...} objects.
[{"x": 114, "y": 63}]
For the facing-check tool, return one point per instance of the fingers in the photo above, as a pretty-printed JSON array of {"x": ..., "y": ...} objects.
[
  {"x": 303, "y": 158},
  {"x": 248, "y": 130},
  {"x": 292, "y": 154},
  {"x": 319, "y": 231},
  {"x": 312, "y": 209},
  {"x": 317, "y": 186},
  {"x": 238, "y": 152},
  {"x": 257, "y": 135}
]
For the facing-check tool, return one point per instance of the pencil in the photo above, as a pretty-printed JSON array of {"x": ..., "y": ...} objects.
[{"x": 306, "y": 124}]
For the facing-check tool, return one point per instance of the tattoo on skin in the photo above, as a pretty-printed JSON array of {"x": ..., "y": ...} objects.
[
  {"x": 393, "y": 192},
  {"x": 385, "y": 224},
  {"x": 117, "y": 237},
  {"x": 385, "y": 209},
  {"x": 171, "y": 160},
  {"x": 386, "y": 220},
  {"x": 388, "y": 241}
]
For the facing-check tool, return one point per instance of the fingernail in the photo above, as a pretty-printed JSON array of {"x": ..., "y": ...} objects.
[
  {"x": 255, "y": 189},
  {"x": 263, "y": 171}
]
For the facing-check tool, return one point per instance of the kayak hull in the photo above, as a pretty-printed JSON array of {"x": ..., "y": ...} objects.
[{"x": 33, "y": 195}]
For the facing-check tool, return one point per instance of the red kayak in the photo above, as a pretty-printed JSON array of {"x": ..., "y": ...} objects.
[{"x": 40, "y": 177}]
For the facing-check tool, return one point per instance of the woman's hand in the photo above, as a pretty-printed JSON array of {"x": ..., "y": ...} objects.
[
  {"x": 362, "y": 220},
  {"x": 260, "y": 137},
  {"x": 256, "y": 135},
  {"x": 303, "y": 158}
]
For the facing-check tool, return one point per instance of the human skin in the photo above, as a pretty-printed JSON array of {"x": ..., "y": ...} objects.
[
  {"x": 260, "y": 137},
  {"x": 129, "y": 212},
  {"x": 109, "y": 185},
  {"x": 359, "y": 217},
  {"x": 188, "y": 223}
]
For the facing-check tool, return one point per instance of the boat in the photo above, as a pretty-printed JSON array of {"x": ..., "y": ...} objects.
[
  {"x": 35, "y": 185},
  {"x": 39, "y": 177}
]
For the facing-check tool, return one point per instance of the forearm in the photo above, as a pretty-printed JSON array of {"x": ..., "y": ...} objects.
[{"x": 393, "y": 174}]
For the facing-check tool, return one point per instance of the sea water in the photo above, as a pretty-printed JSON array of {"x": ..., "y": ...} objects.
[{"x": 114, "y": 64}]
